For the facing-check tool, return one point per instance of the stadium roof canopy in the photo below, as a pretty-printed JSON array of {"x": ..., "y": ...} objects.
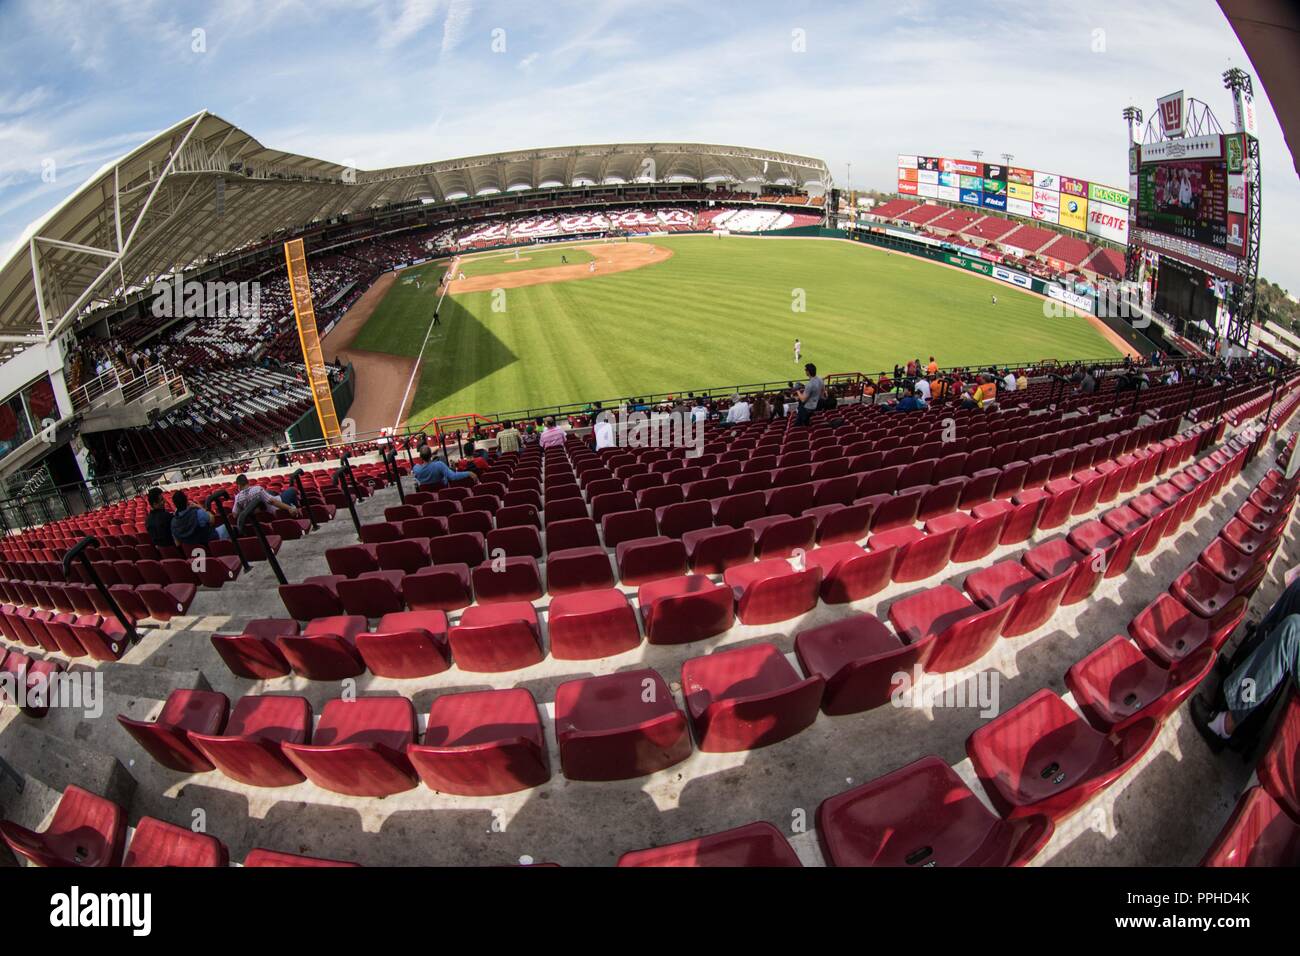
[{"x": 205, "y": 188}]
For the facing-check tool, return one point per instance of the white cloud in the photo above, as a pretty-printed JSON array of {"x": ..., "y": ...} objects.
[{"x": 455, "y": 25}]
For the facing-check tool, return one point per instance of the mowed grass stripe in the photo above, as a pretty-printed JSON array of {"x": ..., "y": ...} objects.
[{"x": 717, "y": 313}]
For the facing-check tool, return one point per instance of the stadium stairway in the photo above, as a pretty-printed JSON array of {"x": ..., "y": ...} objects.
[{"x": 578, "y": 822}]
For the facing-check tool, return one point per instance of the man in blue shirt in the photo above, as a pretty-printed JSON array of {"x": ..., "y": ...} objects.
[{"x": 432, "y": 471}]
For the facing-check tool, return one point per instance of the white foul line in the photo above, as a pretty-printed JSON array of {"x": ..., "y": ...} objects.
[{"x": 451, "y": 274}]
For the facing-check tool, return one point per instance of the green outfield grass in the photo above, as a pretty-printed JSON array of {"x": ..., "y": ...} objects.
[
  {"x": 493, "y": 263},
  {"x": 719, "y": 312}
]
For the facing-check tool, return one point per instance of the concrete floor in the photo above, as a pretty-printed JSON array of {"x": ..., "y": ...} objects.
[{"x": 1165, "y": 811}]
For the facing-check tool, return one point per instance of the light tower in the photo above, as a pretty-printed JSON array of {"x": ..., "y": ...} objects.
[{"x": 1133, "y": 116}]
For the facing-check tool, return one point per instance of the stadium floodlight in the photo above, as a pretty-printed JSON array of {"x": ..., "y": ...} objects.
[
  {"x": 978, "y": 153},
  {"x": 1237, "y": 80},
  {"x": 1007, "y": 158},
  {"x": 1134, "y": 117}
]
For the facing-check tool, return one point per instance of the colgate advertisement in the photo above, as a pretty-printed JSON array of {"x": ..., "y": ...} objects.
[{"x": 906, "y": 188}]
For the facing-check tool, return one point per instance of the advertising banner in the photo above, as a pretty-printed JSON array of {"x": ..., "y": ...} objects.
[
  {"x": 1015, "y": 278},
  {"x": 965, "y": 167},
  {"x": 950, "y": 179},
  {"x": 1192, "y": 147},
  {"x": 930, "y": 176},
  {"x": 1237, "y": 233},
  {"x": 1020, "y": 191},
  {"x": 1236, "y": 193},
  {"x": 1074, "y": 187},
  {"x": 928, "y": 190},
  {"x": 1015, "y": 174},
  {"x": 950, "y": 193},
  {"x": 971, "y": 182},
  {"x": 906, "y": 188},
  {"x": 971, "y": 197},
  {"x": 930, "y": 163},
  {"x": 906, "y": 162},
  {"x": 907, "y": 175},
  {"x": 1047, "y": 197},
  {"x": 1046, "y": 213},
  {"x": 1108, "y": 222},
  {"x": 1074, "y": 213},
  {"x": 1020, "y": 207},
  {"x": 1172, "y": 109},
  {"x": 994, "y": 186},
  {"x": 1185, "y": 198},
  {"x": 1235, "y": 148},
  {"x": 1107, "y": 194},
  {"x": 995, "y": 172},
  {"x": 1069, "y": 298},
  {"x": 1047, "y": 181},
  {"x": 995, "y": 201}
]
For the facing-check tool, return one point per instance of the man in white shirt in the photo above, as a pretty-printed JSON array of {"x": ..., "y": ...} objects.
[
  {"x": 700, "y": 412},
  {"x": 604, "y": 432},
  {"x": 922, "y": 389},
  {"x": 739, "y": 411},
  {"x": 1009, "y": 383}
]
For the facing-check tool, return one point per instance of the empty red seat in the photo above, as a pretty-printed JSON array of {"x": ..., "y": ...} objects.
[
  {"x": 359, "y": 747},
  {"x": 515, "y": 541},
  {"x": 1062, "y": 493},
  {"x": 850, "y": 573},
  {"x": 1227, "y": 561},
  {"x": 1021, "y": 519},
  {"x": 465, "y": 547},
  {"x": 1117, "y": 684},
  {"x": 920, "y": 555},
  {"x": 923, "y": 815},
  {"x": 841, "y": 523},
  {"x": 591, "y": 624},
  {"x": 254, "y": 654},
  {"x": 685, "y": 609},
  {"x": 326, "y": 649},
  {"x": 714, "y": 550},
  {"x": 87, "y": 830},
  {"x": 1054, "y": 558},
  {"x": 675, "y": 520},
  {"x": 619, "y": 726},
  {"x": 975, "y": 537},
  {"x": 1205, "y": 593},
  {"x": 249, "y": 749},
  {"x": 166, "y": 739},
  {"x": 859, "y": 660},
  {"x": 496, "y": 637},
  {"x": 961, "y": 633},
  {"x": 372, "y": 594},
  {"x": 158, "y": 844},
  {"x": 510, "y": 580},
  {"x": 571, "y": 533},
  {"x": 1168, "y": 632},
  {"x": 779, "y": 536},
  {"x": 772, "y": 590},
  {"x": 1042, "y": 757},
  {"x": 578, "y": 569},
  {"x": 407, "y": 555},
  {"x": 1259, "y": 833},
  {"x": 756, "y": 844},
  {"x": 482, "y": 743},
  {"x": 406, "y": 644},
  {"x": 1033, "y": 600},
  {"x": 748, "y": 697},
  {"x": 440, "y": 587},
  {"x": 894, "y": 511},
  {"x": 648, "y": 559}
]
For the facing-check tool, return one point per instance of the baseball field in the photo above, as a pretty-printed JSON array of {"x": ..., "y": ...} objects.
[{"x": 683, "y": 313}]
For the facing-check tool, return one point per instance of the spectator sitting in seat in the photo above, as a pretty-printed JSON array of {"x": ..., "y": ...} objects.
[
  {"x": 255, "y": 496},
  {"x": 191, "y": 526},
  {"x": 507, "y": 439},
  {"x": 603, "y": 432},
  {"x": 1268, "y": 658},
  {"x": 553, "y": 436},
  {"x": 739, "y": 411},
  {"x": 159, "y": 522},
  {"x": 912, "y": 403},
  {"x": 433, "y": 472},
  {"x": 472, "y": 459}
]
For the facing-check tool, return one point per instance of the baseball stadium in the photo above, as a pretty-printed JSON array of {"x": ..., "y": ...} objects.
[{"x": 651, "y": 504}]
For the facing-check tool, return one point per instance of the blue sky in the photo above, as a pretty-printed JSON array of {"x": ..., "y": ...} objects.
[{"x": 376, "y": 83}]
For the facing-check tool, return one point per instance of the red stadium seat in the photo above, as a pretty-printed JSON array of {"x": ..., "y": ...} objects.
[
  {"x": 961, "y": 633},
  {"x": 619, "y": 726},
  {"x": 714, "y": 550},
  {"x": 482, "y": 743},
  {"x": 920, "y": 555},
  {"x": 648, "y": 559},
  {"x": 326, "y": 649},
  {"x": 166, "y": 739},
  {"x": 850, "y": 573},
  {"x": 591, "y": 624},
  {"x": 87, "y": 830},
  {"x": 440, "y": 587},
  {"x": 496, "y": 637},
  {"x": 509, "y": 580},
  {"x": 359, "y": 747},
  {"x": 578, "y": 569},
  {"x": 1259, "y": 833},
  {"x": 1168, "y": 632},
  {"x": 747, "y": 698},
  {"x": 158, "y": 844},
  {"x": 406, "y": 644},
  {"x": 249, "y": 750},
  {"x": 923, "y": 815},
  {"x": 1057, "y": 557},
  {"x": 1040, "y": 757},
  {"x": 1117, "y": 684},
  {"x": 1033, "y": 600},
  {"x": 685, "y": 609},
  {"x": 1279, "y": 767},
  {"x": 858, "y": 658},
  {"x": 770, "y": 591}
]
